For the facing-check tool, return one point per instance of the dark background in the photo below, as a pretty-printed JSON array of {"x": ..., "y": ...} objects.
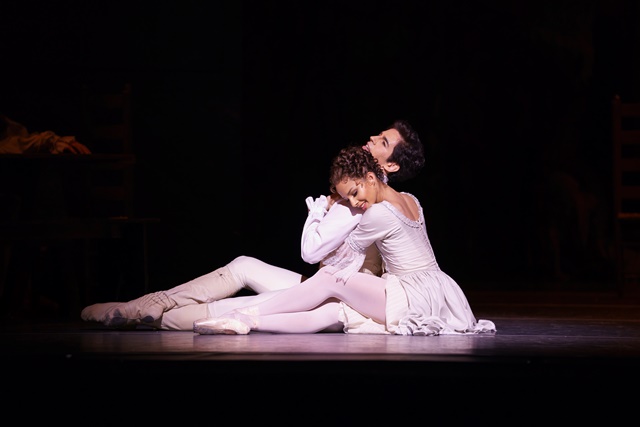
[{"x": 240, "y": 105}]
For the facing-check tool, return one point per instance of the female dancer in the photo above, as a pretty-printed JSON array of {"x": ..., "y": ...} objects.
[{"x": 414, "y": 297}]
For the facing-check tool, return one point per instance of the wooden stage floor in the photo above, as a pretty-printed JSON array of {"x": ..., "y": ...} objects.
[{"x": 577, "y": 352}]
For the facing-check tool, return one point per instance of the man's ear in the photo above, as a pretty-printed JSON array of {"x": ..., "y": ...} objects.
[{"x": 391, "y": 167}]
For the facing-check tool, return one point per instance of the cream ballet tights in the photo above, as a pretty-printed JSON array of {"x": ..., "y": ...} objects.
[
  {"x": 181, "y": 319},
  {"x": 261, "y": 277}
]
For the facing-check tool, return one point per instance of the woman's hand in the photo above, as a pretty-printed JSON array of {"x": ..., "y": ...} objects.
[{"x": 318, "y": 205}]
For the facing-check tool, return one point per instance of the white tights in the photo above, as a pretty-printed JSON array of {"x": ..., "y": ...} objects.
[
  {"x": 323, "y": 318},
  {"x": 311, "y": 305}
]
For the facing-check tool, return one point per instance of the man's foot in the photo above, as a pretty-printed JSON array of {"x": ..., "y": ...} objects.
[
  {"x": 108, "y": 314},
  {"x": 144, "y": 310}
]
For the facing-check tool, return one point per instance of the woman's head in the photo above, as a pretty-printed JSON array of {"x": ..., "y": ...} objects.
[
  {"x": 355, "y": 174},
  {"x": 399, "y": 151}
]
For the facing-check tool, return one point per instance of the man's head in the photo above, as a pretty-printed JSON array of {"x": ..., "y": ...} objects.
[{"x": 399, "y": 151}]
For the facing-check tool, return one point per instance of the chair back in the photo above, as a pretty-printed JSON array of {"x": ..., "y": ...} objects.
[
  {"x": 109, "y": 133},
  {"x": 626, "y": 188}
]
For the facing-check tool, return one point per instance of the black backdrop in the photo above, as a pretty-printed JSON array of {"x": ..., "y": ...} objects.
[{"x": 239, "y": 106}]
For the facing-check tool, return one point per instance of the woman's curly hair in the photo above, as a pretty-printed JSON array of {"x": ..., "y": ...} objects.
[{"x": 353, "y": 163}]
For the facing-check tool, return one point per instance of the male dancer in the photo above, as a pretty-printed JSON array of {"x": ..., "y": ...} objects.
[{"x": 399, "y": 151}]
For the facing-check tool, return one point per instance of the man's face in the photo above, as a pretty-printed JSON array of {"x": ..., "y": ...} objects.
[{"x": 381, "y": 147}]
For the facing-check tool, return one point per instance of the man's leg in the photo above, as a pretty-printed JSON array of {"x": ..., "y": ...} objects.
[{"x": 226, "y": 281}]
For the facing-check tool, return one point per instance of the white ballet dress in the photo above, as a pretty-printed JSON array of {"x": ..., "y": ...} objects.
[{"x": 421, "y": 298}]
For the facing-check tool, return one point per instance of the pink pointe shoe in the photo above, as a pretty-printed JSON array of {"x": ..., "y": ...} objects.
[{"x": 220, "y": 326}]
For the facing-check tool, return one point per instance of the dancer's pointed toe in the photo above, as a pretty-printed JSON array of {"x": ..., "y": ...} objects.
[{"x": 220, "y": 326}]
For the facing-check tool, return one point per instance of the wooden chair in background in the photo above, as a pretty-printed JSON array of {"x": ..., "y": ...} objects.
[
  {"x": 110, "y": 184},
  {"x": 87, "y": 207},
  {"x": 626, "y": 193},
  {"x": 108, "y": 132}
]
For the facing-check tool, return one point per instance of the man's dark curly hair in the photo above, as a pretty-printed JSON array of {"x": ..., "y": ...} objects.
[
  {"x": 408, "y": 154},
  {"x": 353, "y": 163}
]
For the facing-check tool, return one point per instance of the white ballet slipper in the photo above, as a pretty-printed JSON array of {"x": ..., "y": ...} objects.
[{"x": 220, "y": 326}]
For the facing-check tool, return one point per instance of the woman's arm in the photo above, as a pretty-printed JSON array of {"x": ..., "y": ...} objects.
[
  {"x": 324, "y": 231},
  {"x": 374, "y": 226}
]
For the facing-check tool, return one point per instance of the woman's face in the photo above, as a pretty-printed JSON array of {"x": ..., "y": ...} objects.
[{"x": 361, "y": 193}]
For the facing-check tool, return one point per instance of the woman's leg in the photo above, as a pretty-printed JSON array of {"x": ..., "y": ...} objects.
[
  {"x": 322, "y": 318},
  {"x": 301, "y": 309},
  {"x": 363, "y": 292},
  {"x": 221, "y": 307}
]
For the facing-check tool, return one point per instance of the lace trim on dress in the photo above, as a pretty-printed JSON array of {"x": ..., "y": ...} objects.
[
  {"x": 420, "y": 223},
  {"x": 400, "y": 215}
]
